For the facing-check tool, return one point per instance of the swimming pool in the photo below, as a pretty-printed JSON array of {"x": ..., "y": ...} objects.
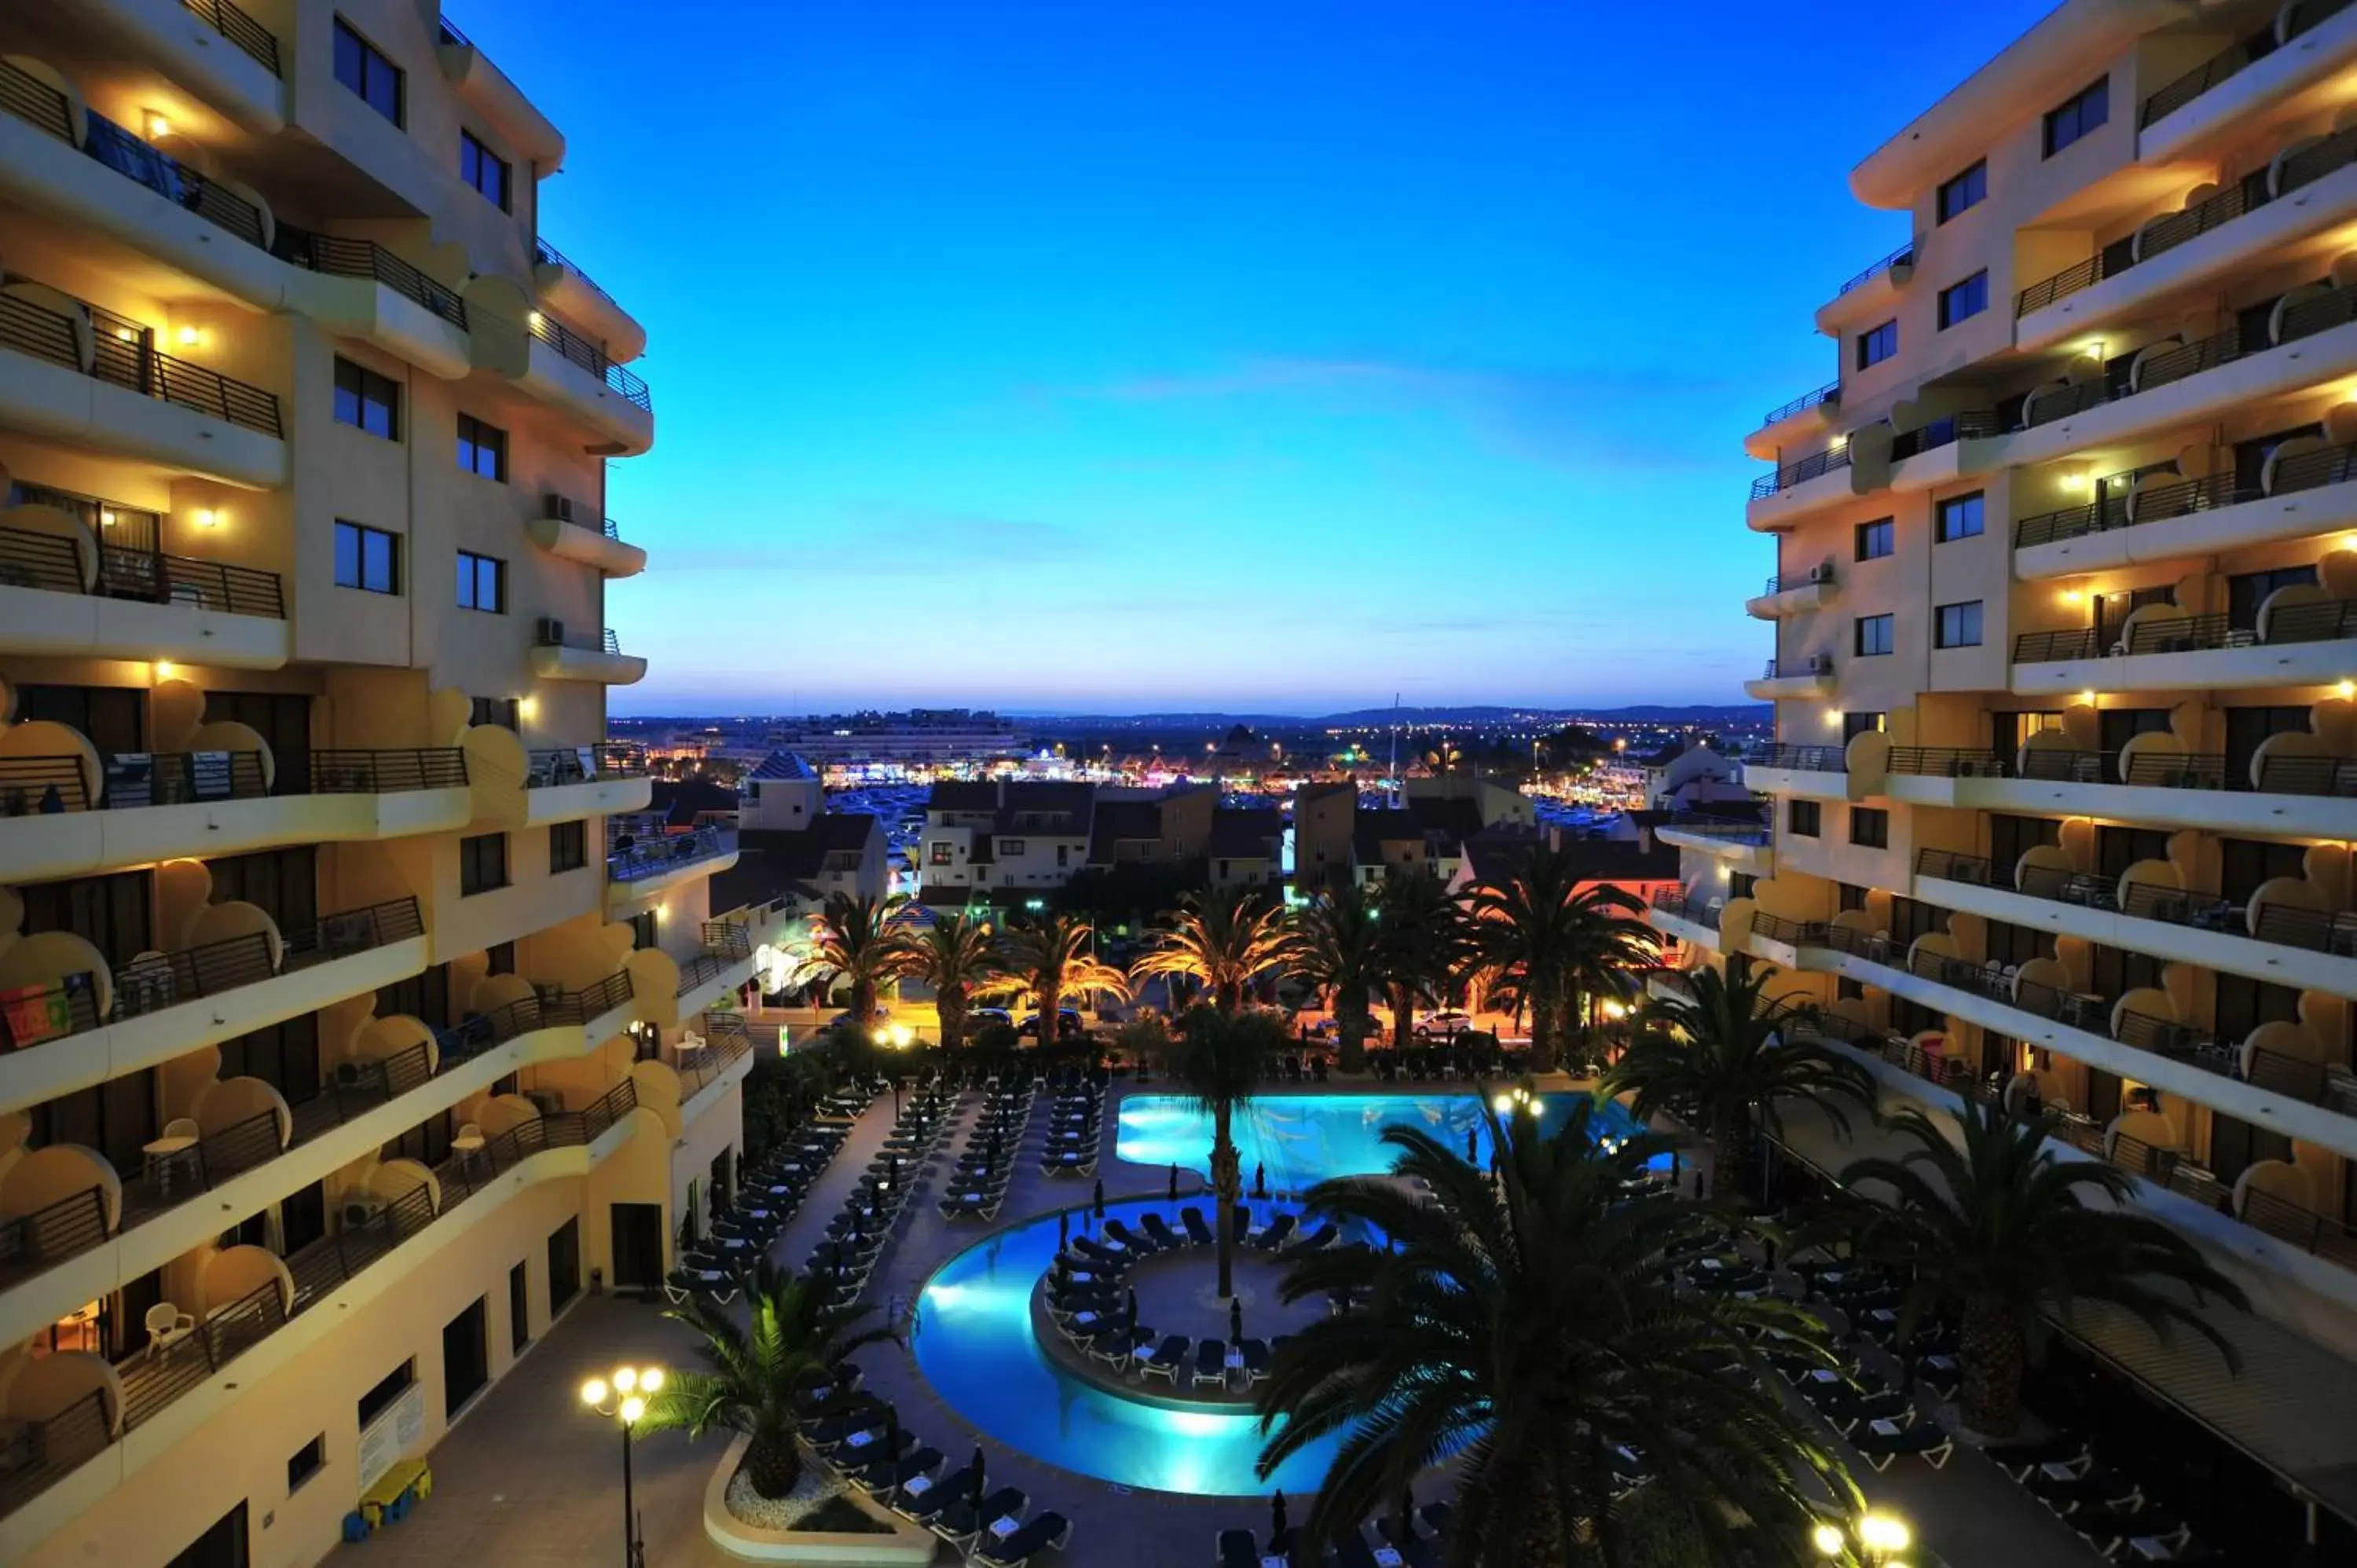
[
  {"x": 973, "y": 1333},
  {"x": 1303, "y": 1138}
]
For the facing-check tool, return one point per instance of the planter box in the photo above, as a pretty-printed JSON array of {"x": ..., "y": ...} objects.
[{"x": 907, "y": 1547}]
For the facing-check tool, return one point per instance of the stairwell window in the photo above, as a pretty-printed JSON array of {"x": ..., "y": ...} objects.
[
  {"x": 482, "y": 449},
  {"x": 482, "y": 863},
  {"x": 2085, "y": 111},
  {"x": 1869, "y": 827},
  {"x": 483, "y": 169},
  {"x": 363, "y": 66},
  {"x": 1960, "y": 517},
  {"x": 1968, "y": 190},
  {"x": 1800, "y": 819},
  {"x": 1877, "y": 344},
  {"x": 1963, "y": 301},
  {"x": 366, "y": 401},
  {"x": 1875, "y": 634},
  {"x": 367, "y": 558},
  {"x": 1876, "y": 539},
  {"x": 482, "y": 583},
  {"x": 1959, "y": 626}
]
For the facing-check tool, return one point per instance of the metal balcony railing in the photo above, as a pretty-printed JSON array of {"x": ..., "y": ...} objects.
[
  {"x": 122, "y": 356},
  {"x": 53, "y": 563},
  {"x": 50, "y": 1234},
  {"x": 652, "y": 854},
  {"x": 1829, "y": 392},
  {"x": 36, "y": 786},
  {"x": 1814, "y": 577},
  {"x": 2335, "y": 776},
  {"x": 2326, "y": 620},
  {"x": 551, "y": 255},
  {"x": 1813, "y": 465},
  {"x": 1946, "y": 762},
  {"x": 602, "y": 640},
  {"x": 1904, "y": 256},
  {"x": 1972, "y": 425},
  {"x": 388, "y": 772},
  {"x": 554, "y": 765},
  {"x": 258, "y": 41},
  {"x": 726, "y": 1044},
  {"x": 1733, "y": 829},
  {"x": 2231, "y": 60},
  {"x": 169, "y": 178},
  {"x": 2158, "y": 503},
  {"x": 1803, "y": 758},
  {"x": 341, "y": 257},
  {"x": 1668, "y": 901},
  {"x": 551, "y": 1007},
  {"x": 591, "y": 357},
  {"x": 2302, "y": 169}
]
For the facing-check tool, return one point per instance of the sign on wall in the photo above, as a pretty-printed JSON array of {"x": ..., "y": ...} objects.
[{"x": 393, "y": 1434}]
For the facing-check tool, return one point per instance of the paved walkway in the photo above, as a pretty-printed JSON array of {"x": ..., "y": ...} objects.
[{"x": 528, "y": 1479}]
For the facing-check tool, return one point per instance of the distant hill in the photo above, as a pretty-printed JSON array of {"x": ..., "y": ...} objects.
[{"x": 1474, "y": 715}]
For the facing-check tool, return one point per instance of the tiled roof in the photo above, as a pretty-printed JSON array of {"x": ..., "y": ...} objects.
[{"x": 783, "y": 765}]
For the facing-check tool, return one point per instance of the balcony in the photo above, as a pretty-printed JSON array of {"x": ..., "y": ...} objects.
[
  {"x": 710, "y": 975},
  {"x": 2275, "y": 69},
  {"x": 2271, "y": 940},
  {"x": 562, "y": 655},
  {"x": 360, "y": 289},
  {"x": 568, "y": 783},
  {"x": 1874, "y": 289},
  {"x": 262, "y": 1330},
  {"x": 71, "y": 813},
  {"x": 1745, "y": 845},
  {"x": 575, "y": 295},
  {"x": 1796, "y": 593},
  {"x": 89, "y": 377},
  {"x": 568, "y": 369},
  {"x": 1810, "y": 411},
  {"x": 2294, "y": 644},
  {"x": 1790, "y": 944},
  {"x": 63, "y": 591},
  {"x": 1797, "y": 486},
  {"x": 156, "y": 1007},
  {"x": 570, "y": 534},
  {"x": 2265, "y": 1088},
  {"x": 1814, "y": 772},
  {"x": 2308, "y": 191},
  {"x": 2304, "y": 490},
  {"x": 1803, "y": 675},
  {"x": 643, "y": 860},
  {"x": 1676, "y": 913},
  {"x": 183, "y": 37},
  {"x": 2285, "y": 789}
]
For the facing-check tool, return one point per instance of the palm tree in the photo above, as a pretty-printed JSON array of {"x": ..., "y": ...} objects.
[
  {"x": 1548, "y": 942},
  {"x": 1226, "y": 940},
  {"x": 757, "y": 1368},
  {"x": 2000, "y": 1230},
  {"x": 854, "y": 939},
  {"x": 1422, "y": 941},
  {"x": 1727, "y": 1057},
  {"x": 1339, "y": 950},
  {"x": 1217, "y": 1061},
  {"x": 1048, "y": 958},
  {"x": 956, "y": 957},
  {"x": 1533, "y": 1329}
]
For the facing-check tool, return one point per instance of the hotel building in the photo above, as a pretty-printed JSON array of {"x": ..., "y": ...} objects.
[
  {"x": 351, "y": 1027},
  {"x": 2064, "y": 623}
]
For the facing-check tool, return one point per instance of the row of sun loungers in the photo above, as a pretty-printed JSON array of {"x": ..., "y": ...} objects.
[
  {"x": 986, "y": 1167},
  {"x": 1075, "y": 1130},
  {"x": 768, "y": 1197},
  {"x": 1418, "y": 1540},
  {"x": 854, "y": 1236}
]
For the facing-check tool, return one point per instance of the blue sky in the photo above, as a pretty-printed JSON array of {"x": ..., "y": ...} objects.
[{"x": 1268, "y": 356}]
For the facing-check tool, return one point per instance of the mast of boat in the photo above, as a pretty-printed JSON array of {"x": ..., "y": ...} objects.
[{"x": 1391, "y": 778}]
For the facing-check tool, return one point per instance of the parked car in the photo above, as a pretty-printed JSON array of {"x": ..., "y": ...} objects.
[
  {"x": 1068, "y": 1025},
  {"x": 980, "y": 1017},
  {"x": 882, "y": 1016},
  {"x": 1442, "y": 1025}
]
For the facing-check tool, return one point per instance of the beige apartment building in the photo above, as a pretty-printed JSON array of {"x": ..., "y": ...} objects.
[
  {"x": 352, "y": 1026},
  {"x": 2066, "y": 632}
]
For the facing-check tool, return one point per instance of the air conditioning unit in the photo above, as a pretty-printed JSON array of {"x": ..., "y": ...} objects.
[
  {"x": 557, "y": 507},
  {"x": 552, "y": 632},
  {"x": 1822, "y": 572},
  {"x": 359, "y": 1208},
  {"x": 1821, "y": 663}
]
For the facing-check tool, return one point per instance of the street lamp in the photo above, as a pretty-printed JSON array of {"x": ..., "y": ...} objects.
[
  {"x": 1510, "y": 1101},
  {"x": 623, "y": 1398},
  {"x": 1880, "y": 1537}
]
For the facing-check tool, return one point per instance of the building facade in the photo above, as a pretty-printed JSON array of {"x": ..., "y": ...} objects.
[
  {"x": 2065, "y": 628},
  {"x": 344, "y": 1046}
]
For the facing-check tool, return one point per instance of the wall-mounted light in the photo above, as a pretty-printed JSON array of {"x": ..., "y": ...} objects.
[
  {"x": 207, "y": 518},
  {"x": 1833, "y": 718},
  {"x": 2086, "y": 699},
  {"x": 188, "y": 336},
  {"x": 533, "y": 317},
  {"x": 106, "y": 520},
  {"x": 528, "y": 709},
  {"x": 2072, "y": 596},
  {"x": 163, "y": 668},
  {"x": 158, "y": 127},
  {"x": 2346, "y": 690},
  {"x": 2075, "y": 479}
]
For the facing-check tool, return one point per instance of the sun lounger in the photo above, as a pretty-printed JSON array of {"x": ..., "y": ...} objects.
[
  {"x": 866, "y": 1450},
  {"x": 924, "y": 1498},
  {"x": 1237, "y": 1549},
  {"x": 1884, "y": 1443},
  {"x": 1212, "y": 1363},
  {"x": 962, "y": 1522},
  {"x": 1256, "y": 1358},
  {"x": 1351, "y": 1551},
  {"x": 1157, "y": 1230},
  {"x": 1199, "y": 1231},
  {"x": 1277, "y": 1233},
  {"x": 2018, "y": 1459},
  {"x": 1324, "y": 1236},
  {"x": 1167, "y": 1359},
  {"x": 1119, "y": 1231},
  {"x": 1242, "y": 1223},
  {"x": 1048, "y": 1531}
]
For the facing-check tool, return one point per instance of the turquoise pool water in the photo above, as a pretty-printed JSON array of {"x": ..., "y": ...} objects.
[{"x": 973, "y": 1334}]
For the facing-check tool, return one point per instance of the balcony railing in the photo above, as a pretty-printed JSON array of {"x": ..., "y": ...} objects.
[
  {"x": 388, "y": 772},
  {"x": 241, "y": 29},
  {"x": 603, "y": 641},
  {"x": 1904, "y": 256},
  {"x": 1814, "y": 577},
  {"x": 37, "y": 786},
  {"x": 551, "y": 255},
  {"x": 1670, "y": 901},
  {"x": 342, "y": 257},
  {"x": 551, "y": 1007},
  {"x": 1803, "y": 758},
  {"x": 1813, "y": 465},
  {"x": 1734, "y": 829},
  {"x": 2283, "y": 925},
  {"x": 33, "y": 329},
  {"x": 2302, "y": 169},
  {"x": 1972, "y": 425},
  {"x": 1829, "y": 392},
  {"x": 53, "y": 563},
  {"x": 1945, "y": 762},
  {"x": 590, "y": 357},
  {"x": 169, "y": 178},
  {"x": 2324, "y": 620},
  {"x": 152, "y": 1380},
  {"x": 2158, "y": 503},
  {"x": 2231, "y": 60},
  {"x": 652, "y": 854},
  {"x": 154, "y": 982},
  {"x": 726, "y": 1044},
  {"x": 723, "y": 944},
  {"x": 2333, "y": 775},
  {"x": 554, "y": 765}
]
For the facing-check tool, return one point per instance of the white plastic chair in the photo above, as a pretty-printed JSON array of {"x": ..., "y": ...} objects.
[{"x": 168, "y": 1325}]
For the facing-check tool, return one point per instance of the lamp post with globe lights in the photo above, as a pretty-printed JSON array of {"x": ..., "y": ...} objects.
[
  {"x": 622, "y": 1397},
  {"x": 1873, "y": 1540}
]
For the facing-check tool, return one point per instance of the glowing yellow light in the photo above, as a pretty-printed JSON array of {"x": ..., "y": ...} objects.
[
  {"x": 650, "y": 1380},
  {"x": 634, "y": 1408},
  {"x": 1833, "y": 718},
  {"x": 186, "y": 334},
  {"x": 2073, "y": 595},
  {"x": 528, "y": 708},
  {"x": 535, "y": 318},
  {"x": 1502, "y": 1104},
  {"x": 903, "y": 1036},
  {"x": 593, "y": 1391},
  {"x": 106, "y": 519},
  {"x": 207, "y": 517},
  {"x": 625, "y": 1378},
  {"x": 2086, "y": 699},
  {"x": 1828, "y": 1540},
  {"x": 881, "y": 1036},
  {"x": 1884, "y": 1532},
  {"x": 2075, "y": 480},
  {"x": 163, "y": 668},
  {"x": 1722, "y": 870},
  {"x": 157, "y": 126},
  {"x": 2347, "y": 689},
  {"x": 125, "y": 334}
]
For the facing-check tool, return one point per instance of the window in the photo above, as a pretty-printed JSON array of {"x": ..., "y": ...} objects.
[
  {"x": 564, "y": 1264},
  {"x": 642, "y": 930},
  {"x": 1960, "y": 626},
  {"x": 1963, "y": 301},
  {"x": 361, "y": 66},
  {"x": 1847, "y": 990},
  {"x": 1874, "y": 634},
  {"x": 1849, "y": 895},
  {"x": 1959, "y": 517},
  {"x": 1878, "y": 344},
  {"x": 482, "y": 449},
  {"x": 2085, "y": 111},
  {"x": 1869, "y": 826},
  {"x": 938, "y": 853},
  {"x": 1010, "y": 846},
  {"x": 366, "y": 401},
  {"x": 1800, "y": 819},
  {"x": 1862, "y": 721},
  {"x": 499, "y": 958},
  {"x": 379, "y": 1400},
  {"x": 1965, "y": 192},
  {"x": 1875, "y": 539},
  {"x": 367, "y": 558},
  {"x": 504, "y": 712},
  {"x": 484, "y": 169},
  {"x": 568, "y": 847},
  {"x": 482, "y": 863},
  {"x": 482, "y": 583},
  {"x": 1739, "y": 885},
  {"x": 308, "y": 1458}
]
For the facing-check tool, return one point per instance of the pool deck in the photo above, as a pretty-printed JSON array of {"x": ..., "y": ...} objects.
[{"x": 524, "y": 1480}]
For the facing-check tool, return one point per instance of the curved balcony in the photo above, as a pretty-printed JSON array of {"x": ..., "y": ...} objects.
[
  {"x": 1796, "y": 593},
  {"x": 362, "y": 290},
  {"x": 565, "y": 368},
  {"x": 2305, "y": 490},
  {"x": 1675, "y": 912},
  {"x": 1873, "y": 290},
  {"x": 1803, "y": 415},
  {"x": 72, "y": 1019},
  {"x": 576, "y": 296},
  {"x": 487, "y": 89},
  {"x": 64, "y": 592},
  {"x": 1804, "y": 675},
  {"x": 1745, "y": 845},
  {"x": 566, "y": 783},
  {"x": 643, "y": 859},
  {"x": 2273, "y": 72},
  {"x": 2294, "y": 785},
  {"x": 2161, "y": 649},
  {"x": 80, "y": 1444},
  {"x": 594, "y": 542},
  {"x": 562, "y": 655},
  {"x": 183, "y": 37}
]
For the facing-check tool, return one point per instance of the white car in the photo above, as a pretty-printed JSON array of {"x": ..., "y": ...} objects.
[{"x": 1442, "y": 1025}]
